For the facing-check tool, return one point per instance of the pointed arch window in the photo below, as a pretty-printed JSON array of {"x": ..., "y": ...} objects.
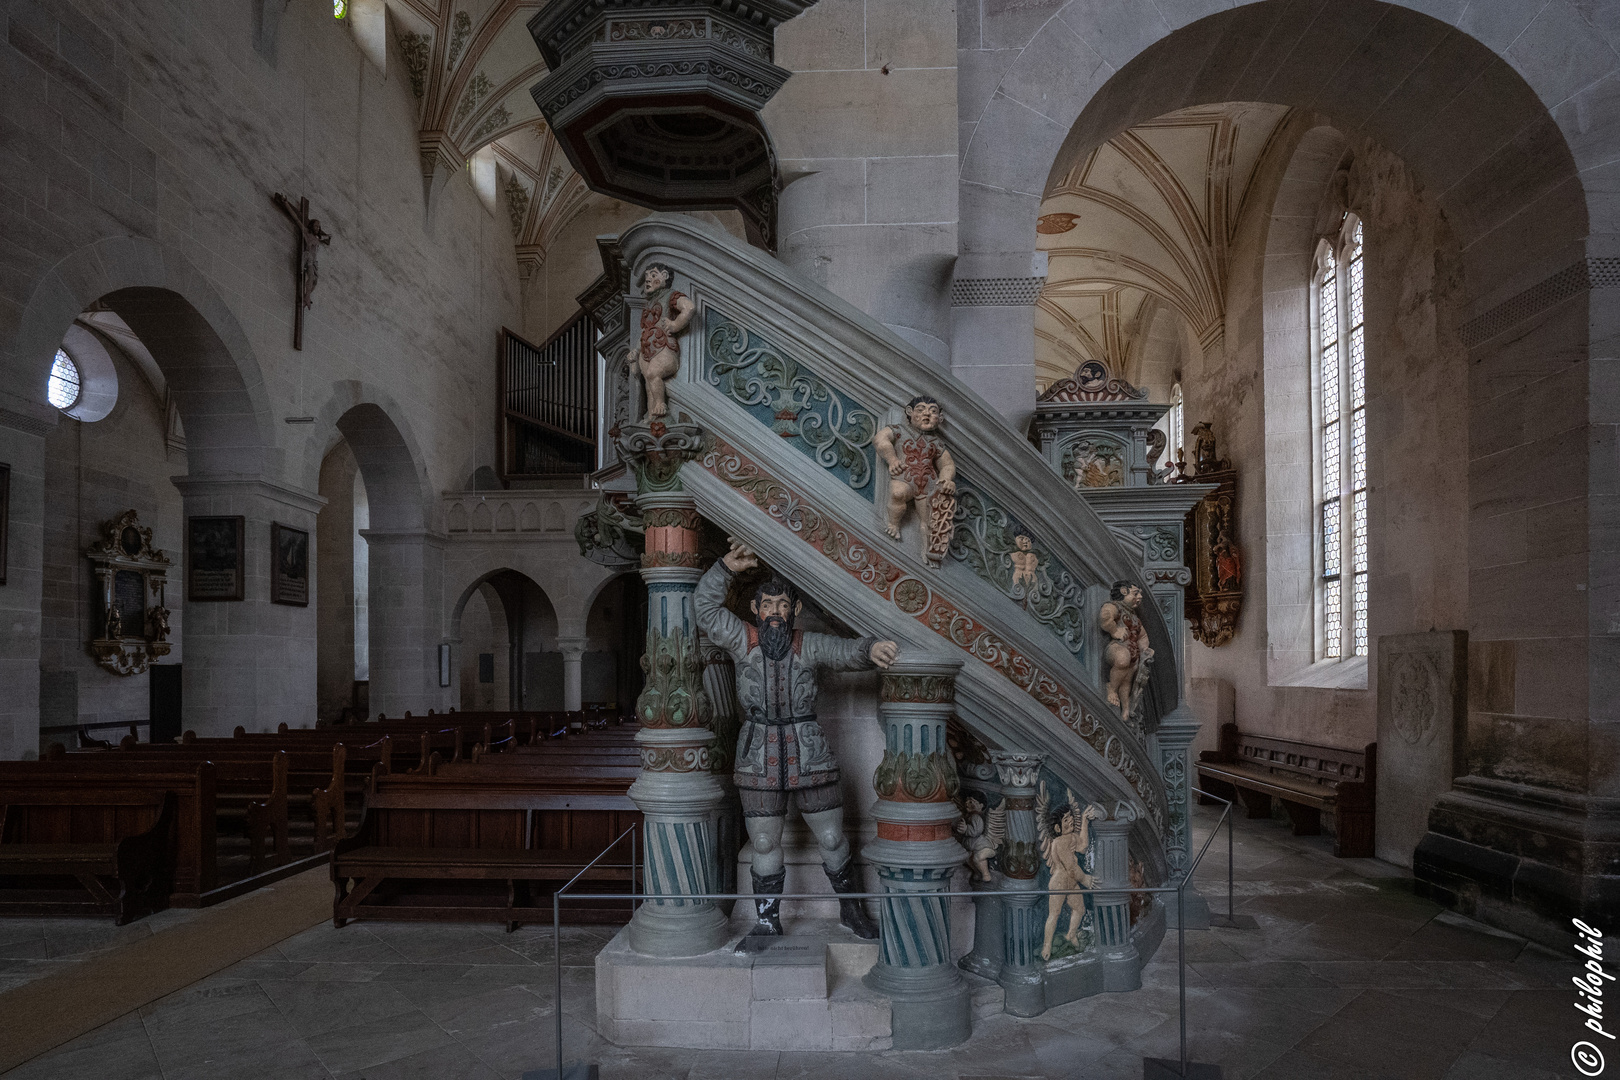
[
  {"x": 1175, "y": 425},
  {"x": 1341, "y": 381}
]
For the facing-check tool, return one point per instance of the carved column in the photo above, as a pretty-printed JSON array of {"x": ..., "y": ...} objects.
[
  {"x": 1110, "y": 839},
  {"x": 573, "y": 654},
  {"x": 915, "y": 855},
  {"x": 676, "y": 792},
  {"x": 720, "y": 682},
  {"x": 1023, "y": 913},
  {"x": 1176, "y": 734}
]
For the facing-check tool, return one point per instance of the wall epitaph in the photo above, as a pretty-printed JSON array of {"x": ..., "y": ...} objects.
[
  {"x": 1214, "y": 599},
  {"x": 131, "y": 576},
  {"x": 214, "y": 558}
]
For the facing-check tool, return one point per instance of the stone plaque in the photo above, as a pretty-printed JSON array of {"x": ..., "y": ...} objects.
[{"x": 1422, "y": 718}]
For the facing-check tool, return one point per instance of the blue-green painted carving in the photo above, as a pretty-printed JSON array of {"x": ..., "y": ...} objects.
[
  {"x": 1004, "y": 553},
  {"x": 793, "y": 401}
]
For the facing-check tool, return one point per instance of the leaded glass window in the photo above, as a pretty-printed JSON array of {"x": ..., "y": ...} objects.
[
  {"x": 1341, "y": 358},
  {"x": 63, "y": 388}
]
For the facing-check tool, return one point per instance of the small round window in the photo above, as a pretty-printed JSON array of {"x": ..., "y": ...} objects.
[{"x": 64, "y": 386}]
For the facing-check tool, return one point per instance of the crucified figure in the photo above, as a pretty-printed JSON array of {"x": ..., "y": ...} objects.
[{"x": 310, "y": 233}]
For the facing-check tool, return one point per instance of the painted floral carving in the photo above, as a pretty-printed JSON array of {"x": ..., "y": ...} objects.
[{"x": 796, "y": 402}]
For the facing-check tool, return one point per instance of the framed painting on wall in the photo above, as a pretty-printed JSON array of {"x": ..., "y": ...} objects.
[
  {"x": 5, "y": 516},
  {"x": 214, "y": 563},
  {"x": 289, "y": 566}
]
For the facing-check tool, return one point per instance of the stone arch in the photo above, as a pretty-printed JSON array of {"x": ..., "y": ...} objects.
[
  {"x": 389, "y": 454},
  {"x": 1471, "y": 118},
  {"x": 191, "y": 332}
]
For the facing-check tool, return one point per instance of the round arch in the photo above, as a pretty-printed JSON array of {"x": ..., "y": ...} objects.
[
  {"x": 191, "y": 332},
  {"x": 1473, "y": 126}
]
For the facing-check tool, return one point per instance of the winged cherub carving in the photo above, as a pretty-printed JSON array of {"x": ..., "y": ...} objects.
[
  {"x": 1064, "y": 843},
  {"x": 982, "y": 832}
]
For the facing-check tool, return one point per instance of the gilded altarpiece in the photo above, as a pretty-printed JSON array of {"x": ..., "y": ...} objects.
[
  {"x": 131, "y": 582},
  {"x": 1214, "y": 598}
]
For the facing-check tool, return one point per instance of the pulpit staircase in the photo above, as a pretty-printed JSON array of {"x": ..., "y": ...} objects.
[{"x": 781, "y": 388}]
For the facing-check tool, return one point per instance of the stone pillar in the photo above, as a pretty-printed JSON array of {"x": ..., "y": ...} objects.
[
  {"x": 404, "y": 615},
  {"x": 1110, "y": 839},
  {"x": 1023, "y": 912},
  {"x": 676, "y": 792},
  {"x": 248, "y": 662},
  {"x": 915, "y": 855},
  {"x": 22, "y": 447},
  {"x": 1176, "y": 734},
  {"x": 573, "y": 654}
]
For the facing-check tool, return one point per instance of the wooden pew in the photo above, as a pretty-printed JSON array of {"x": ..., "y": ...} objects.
[
  {"x": 1307, "y": 780},
  {"x": 56, "y": 802},
  {"x": 427, "y": 843},
  {"x": 116, "y": 843}
]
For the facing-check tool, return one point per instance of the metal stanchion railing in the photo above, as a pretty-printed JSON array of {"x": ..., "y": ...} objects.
[
  {"x": 639, "y": 897},
  {"x": 1232, "y": 920}
]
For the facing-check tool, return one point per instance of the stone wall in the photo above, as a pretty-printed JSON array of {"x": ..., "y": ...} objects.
[
  {"x": 161, "y": 122},
  {"x": 93, "y": 473},
  {"x": 1255, "y": 386}
]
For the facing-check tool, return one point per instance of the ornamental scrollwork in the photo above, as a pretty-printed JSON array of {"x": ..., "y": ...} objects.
[
  {"x": 999, "y": 550},
  {"x": 680, "y": 759},
  {"x": 792, "y": 400}
]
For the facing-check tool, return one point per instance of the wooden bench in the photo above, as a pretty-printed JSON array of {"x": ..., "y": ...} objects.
[
  {"x": 1306, "y": 779},
  {"x": 430, "y": 848},
  {"x": 71, "y": 846}
]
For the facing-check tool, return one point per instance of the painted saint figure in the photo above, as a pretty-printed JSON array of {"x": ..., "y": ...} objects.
[
  {"x": 922, "y": 473},
  {"x": 782, "y": 754},
  {"x": 664, "y": 316},
  {"x": 1128, "y": 647}
]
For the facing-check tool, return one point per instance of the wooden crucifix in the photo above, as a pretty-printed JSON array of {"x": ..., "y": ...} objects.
[{"x": 309, "y": 234}]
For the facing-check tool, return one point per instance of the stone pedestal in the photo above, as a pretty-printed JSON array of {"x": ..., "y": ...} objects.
[
  {"x": 1111, "y": 911},
  {"x": 676, "y": 792},
  {"x": 915, "y": 855}
]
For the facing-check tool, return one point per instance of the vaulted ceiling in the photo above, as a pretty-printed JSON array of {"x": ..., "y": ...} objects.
[
  {"x": 1137, "y": 236},
  {"x": 471, "y": 64}
]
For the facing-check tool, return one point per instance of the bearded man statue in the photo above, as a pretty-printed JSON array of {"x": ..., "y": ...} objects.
[{"x": 782, "y": 755}]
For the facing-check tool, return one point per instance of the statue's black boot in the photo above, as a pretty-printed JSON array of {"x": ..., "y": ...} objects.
[
  {"x": 852, "y": 913},
  {"x": 768, "y": 902}
]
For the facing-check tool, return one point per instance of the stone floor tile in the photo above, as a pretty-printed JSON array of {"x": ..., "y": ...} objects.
[
  {"x": 450, "y": 1062},
  {"x": 314, "y": 1009},
  {"x": 1383, "y": 1032},
  {"x": 1448, "y": 941},
  {"x": 1297, "y": 1064},
  {"x": 503, "y": 1009},
  {"x": 116, "y": 1051},
  {"x": 726, "y": 1064},
  {"x": 351, "y": 1048},
  {"x": 1262, "y": 973}
]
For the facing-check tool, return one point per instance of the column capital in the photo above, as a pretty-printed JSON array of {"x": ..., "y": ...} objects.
[
  {"x": 572, "y": 648},
  {"x": 1016, "y": 769},
  {"x": 216, "y": 484}
]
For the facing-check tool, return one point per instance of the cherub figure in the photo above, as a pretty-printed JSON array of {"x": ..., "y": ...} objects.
[
  {"x": 982, "y": 832},
  {"x": 115, "y": 622},
  {"x": 1064, "y": 849},
  {"x": 1024, "y": 561},
  {"x": 662, "y": 319},
  {"x": 921, "y": 473},
  {"x": 1128, "y": 648},
  {"x": 157, "y": 621}
]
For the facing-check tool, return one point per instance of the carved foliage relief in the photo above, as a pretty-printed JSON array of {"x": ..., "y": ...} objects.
[
  {"x": 999, "y": 550},
  {"x": 793, "y": 401}
]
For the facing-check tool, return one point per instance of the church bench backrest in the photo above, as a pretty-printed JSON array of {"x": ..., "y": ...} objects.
[
  {"x": 1326, "y": 765},
  {"x": 196, "y": 860}
]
